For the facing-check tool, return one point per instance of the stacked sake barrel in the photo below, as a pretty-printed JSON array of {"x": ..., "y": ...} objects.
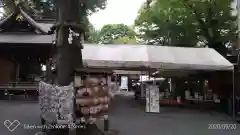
[{"x": 93, "y": 98}]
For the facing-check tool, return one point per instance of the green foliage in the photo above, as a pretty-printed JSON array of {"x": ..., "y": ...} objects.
[
  {"x": 92, "y": 34},
  {"x": 47, "y": 8},
  {"x": 95, "y": 5},
  {"x": 111, "y": 32},
  {"x": 125, "y": 40},
  {"x": 166, "y": 23},
  {"x": 187, "y": 23}
]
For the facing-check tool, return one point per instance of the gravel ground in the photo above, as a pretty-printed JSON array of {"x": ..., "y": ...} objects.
[{"x": 126, "y": 118}]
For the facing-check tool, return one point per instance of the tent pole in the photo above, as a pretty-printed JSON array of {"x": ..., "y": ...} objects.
[
  {"x": 234, "y": 94},
  {"x": 170, "y": 84},
  {"x": 141, "y": 84}
]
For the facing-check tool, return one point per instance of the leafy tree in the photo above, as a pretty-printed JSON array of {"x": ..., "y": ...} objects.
[
  {"x": 125, "y": 40},
  {"x": 111, "y": 32},
  {"x": 161, "y": 23},
  {"x": 92, "y": 35},
  {"x": 187, "y": 23}
]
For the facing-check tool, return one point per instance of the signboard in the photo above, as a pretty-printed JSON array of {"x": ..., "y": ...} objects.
[
  {"x": 152, "y": 99},
  {"x": 124, "y": 83}
]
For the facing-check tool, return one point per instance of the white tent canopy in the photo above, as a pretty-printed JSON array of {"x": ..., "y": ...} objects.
[
  {"x": 156, "y": 57},
  {"x": 125, "y": 72},
  {"x": 115, "y": 56}
]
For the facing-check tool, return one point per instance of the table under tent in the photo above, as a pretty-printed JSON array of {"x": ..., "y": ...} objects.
[{"x": 168, "y": 61}]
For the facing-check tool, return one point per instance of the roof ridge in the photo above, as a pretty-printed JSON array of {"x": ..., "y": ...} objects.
[{"x": 33, "y": 22}]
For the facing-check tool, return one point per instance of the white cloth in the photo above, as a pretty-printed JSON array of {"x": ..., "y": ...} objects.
[{"x": 56, "y": 103}]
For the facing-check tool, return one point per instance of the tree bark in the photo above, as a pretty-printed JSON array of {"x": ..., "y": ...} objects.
[{"x": 69, "y": 55}]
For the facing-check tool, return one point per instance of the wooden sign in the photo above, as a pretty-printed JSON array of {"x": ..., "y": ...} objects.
[
  {"x": 93, "y": 94},
  {"x": 152, "y": 99}
]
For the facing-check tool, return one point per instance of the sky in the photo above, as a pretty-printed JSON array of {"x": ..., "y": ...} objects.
[
  {"x": 117, "y": 11},
  {"x": 1, "y": 11},
  {"x": 120, "y": 11}
]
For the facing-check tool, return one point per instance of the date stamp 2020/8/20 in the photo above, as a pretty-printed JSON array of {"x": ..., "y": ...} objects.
[{"x": 222, "y": 126}]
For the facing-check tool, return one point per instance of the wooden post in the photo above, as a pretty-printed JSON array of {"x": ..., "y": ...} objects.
[
  {"x": 141, "y": 85},
  {"x": 234, "y": 94},
  {"x": 106, "y": 123}
]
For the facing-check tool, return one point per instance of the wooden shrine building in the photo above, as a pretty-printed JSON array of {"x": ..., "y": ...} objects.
[{"x": 24, "y": 46}]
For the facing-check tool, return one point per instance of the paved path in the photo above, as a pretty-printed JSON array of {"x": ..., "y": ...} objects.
[
  {"x": 26, "y": 113},
  {"x": 127, "y": 117}
]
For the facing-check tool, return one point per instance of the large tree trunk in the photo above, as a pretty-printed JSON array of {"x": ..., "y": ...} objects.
[{"x": 69, "y": 55}]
